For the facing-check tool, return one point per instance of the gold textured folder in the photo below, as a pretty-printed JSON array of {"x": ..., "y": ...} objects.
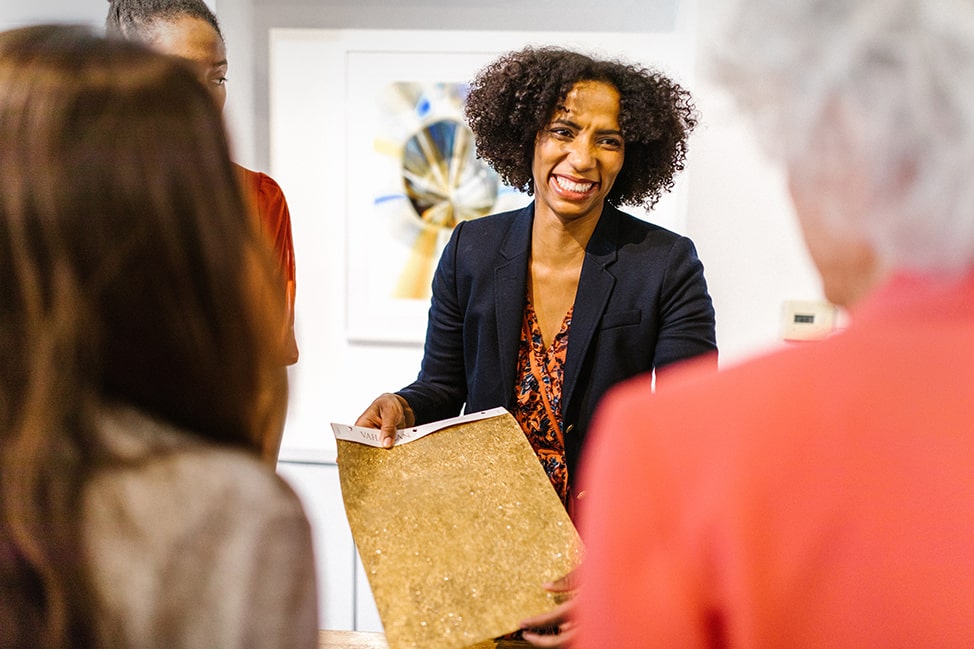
[{"x": 457, "y": 531}]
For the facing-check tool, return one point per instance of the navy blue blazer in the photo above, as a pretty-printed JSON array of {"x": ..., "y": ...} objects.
[{"x": 642, "y": 303}]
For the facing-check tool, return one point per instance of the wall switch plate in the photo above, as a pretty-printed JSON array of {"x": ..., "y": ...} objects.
[{"x": 807, "y": 320}]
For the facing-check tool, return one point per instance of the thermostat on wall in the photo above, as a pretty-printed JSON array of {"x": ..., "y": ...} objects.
[{"x": 805, "y": 320}]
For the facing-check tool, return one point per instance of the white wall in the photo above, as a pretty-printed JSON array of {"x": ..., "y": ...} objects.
[
  {"x": 741, "y": 218},
  {"x": 16, "y": 13}
]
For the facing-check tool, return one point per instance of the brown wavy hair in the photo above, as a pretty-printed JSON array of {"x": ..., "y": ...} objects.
[
  {"x": 129, "y": 273},
  {"x": 513, "y": 98}
]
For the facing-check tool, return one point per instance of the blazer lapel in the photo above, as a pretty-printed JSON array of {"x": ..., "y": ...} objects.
[
  {"x": 510, "y": 280},
  {"x": 594, "y": 288}
]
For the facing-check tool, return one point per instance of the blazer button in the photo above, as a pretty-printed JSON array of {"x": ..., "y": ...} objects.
[{"x": 570, "y": 428}]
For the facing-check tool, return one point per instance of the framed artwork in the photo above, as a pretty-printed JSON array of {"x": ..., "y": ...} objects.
[{"x": 401, "y": 166}]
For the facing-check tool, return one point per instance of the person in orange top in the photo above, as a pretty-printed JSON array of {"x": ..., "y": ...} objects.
[
  {"x": 820, "y": 496},
  {"x": 189, "y": 30},
  {"x": 267, "y": 201}
]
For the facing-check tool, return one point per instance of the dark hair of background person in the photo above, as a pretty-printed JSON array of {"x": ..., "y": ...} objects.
[
  {"x": 512, "y": 100},
  {"x": 128, "y": 274},
  {"x": 135, "y": 19}
]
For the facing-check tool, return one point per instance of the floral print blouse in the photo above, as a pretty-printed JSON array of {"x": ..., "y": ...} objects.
[{"x": 540, "y": 374}]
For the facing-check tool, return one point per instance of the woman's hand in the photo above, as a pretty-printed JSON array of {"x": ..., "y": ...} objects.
[
  {"x": 388, "y": 413},
  {"x": 557, "y": 627}
]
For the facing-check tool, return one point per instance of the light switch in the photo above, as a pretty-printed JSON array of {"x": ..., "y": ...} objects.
[{"x": 807, "y": 320}]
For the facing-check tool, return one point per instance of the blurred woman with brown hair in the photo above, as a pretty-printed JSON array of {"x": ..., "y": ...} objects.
[{"x": 137, "y": 351}]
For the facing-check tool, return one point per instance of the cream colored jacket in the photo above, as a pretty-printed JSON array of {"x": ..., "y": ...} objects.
[{"x": 195, "y": 546}]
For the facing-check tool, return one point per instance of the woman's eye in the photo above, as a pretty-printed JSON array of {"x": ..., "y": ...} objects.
[{"x": 219, "y": 81}]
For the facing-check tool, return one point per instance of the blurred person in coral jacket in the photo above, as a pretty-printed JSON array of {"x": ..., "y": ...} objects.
[{"x": 818, "y": 496}]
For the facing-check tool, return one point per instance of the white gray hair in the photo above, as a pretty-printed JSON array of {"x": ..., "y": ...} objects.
[{"x": 879, "y": 91}]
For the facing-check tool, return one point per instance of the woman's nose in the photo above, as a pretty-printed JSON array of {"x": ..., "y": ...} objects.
[{"x": 580, "y": 155}]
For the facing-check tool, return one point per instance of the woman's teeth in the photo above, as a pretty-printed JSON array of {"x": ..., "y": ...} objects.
[{"x": 571, "y": 186}]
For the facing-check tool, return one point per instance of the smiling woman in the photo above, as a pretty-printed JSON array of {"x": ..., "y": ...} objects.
[
  {"x": 541, "y": 310},
  {"x": 579, "y": 154}
]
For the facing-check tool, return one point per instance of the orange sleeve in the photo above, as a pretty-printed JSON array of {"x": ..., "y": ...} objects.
[{"x": 267, "y": 198}]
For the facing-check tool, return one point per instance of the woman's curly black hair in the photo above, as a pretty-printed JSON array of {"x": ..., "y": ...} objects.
[{"x": 513, "y": 98}]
